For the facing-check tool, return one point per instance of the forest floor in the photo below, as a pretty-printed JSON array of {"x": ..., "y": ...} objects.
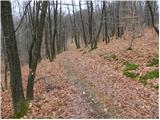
[{"x": 81, "y": 83}]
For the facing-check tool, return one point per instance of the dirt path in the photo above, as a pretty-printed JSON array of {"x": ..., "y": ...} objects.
[
  {"x": 80, "y": 84},
  {"x": 109, "y": 94},
  {"x": 86, "y": 92}
]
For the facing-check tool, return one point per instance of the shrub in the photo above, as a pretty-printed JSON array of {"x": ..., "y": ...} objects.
[{"x": 131, "y": 66}]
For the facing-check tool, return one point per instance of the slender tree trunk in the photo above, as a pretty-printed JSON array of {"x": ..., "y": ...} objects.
[
  {"x": 100, "y": 23},
  {"x": 59, "y": 40},
  {"x": 36, "y": 50},
  {"x": 49, "y": 36},
  {"x": 47, "y": 52},
  {"x": 19, "y": 103},
  {"x": 90, "y": 21},
  {"x": 152, "y": 16},
  {"x": 82, "y": 23},
  {"x": 107, "y": 39},
  {"x": 75, "y": 29},
  {"x": 53, "y": 50}
]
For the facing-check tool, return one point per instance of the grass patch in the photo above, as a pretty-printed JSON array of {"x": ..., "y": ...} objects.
[
  {"x": 150, "y": 75},
  {"x": 128, "y": 70},
  {"x": 153, "y": 62},
  {"x": 144, "y": 82},
  {"x": 130, "y": 74},
  {"x": 131, "y": 66}
]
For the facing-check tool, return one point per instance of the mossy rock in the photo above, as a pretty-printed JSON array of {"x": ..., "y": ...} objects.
[
  {"x": 23, "y": 108},
  {"x": 131, "y": 66},
  {"x": 153, "y": 62}
]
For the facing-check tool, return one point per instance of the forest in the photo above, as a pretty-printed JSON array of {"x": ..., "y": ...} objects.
[{"x": 79, "y": 59}]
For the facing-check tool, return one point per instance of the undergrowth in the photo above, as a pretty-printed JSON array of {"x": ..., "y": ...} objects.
[
  {"x": 153, "y": 62},
  {"x": 131, "y": 66},
  {"x": 150, "y": 75},
  {"x": 129, "y": 72}
]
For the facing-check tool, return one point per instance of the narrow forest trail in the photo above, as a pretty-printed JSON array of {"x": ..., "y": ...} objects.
[
  {"x": 84, "y": 84},
  {"x": 86, "y": 91},
  {"x": 108, "y": 92}
]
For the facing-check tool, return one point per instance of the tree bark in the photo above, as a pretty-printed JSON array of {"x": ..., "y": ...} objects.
[
  {"x": 75, "y": 28},
  {"x": 53, "y": 49},
  {"x": 36, "y": 49},
  {"x": 18, "y": 98},
  {"x": 100, "y": 24},
  {"x": 152, "y": 16},
  {"x": 82, "y": 23},
  {"x": 107, "y": 39}
]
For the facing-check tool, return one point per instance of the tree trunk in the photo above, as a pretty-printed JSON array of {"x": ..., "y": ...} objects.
[
  {"x": 100, "y": 23},
  {"x": 152, "y": 16},
  {"x": 53, "y": 50},
  {"x": 75, "y": 29},
  {"x": 19, "y": 103},
  {"x": 83, "y": 29},
  {"x": 5, "y": 62},
  {"x": 36, "y": 50},
  {"x": 90, "y": 21},
  {"x": 107, "y": 39}
]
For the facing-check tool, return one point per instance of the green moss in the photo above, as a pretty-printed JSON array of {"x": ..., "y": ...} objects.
[
  {"x": 130, "y": 74},
  {"x": 144, "y": 82},
  {"x": 150, "y": 75},
  {"x": 154, "y": 61},
  {"x": 131, "y": 66},
  {"x": 23, "y": 108}
]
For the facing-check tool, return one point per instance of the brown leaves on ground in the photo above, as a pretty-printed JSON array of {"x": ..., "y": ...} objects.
[{"x": 101, "y": 72}]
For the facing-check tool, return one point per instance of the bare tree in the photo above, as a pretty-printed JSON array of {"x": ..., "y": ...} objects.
[
  {"x": 53, "y": 50},
  {"x": 19, "y": 102},
  {"x": 152, "y": 16},
  {"x": 82, "y": 23},
  {"x": 90, "y": 22},
  {"x": 77, "y": 42},
  {"x": 35, "y": 50},
  {"x": 107, "y": 39}
]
